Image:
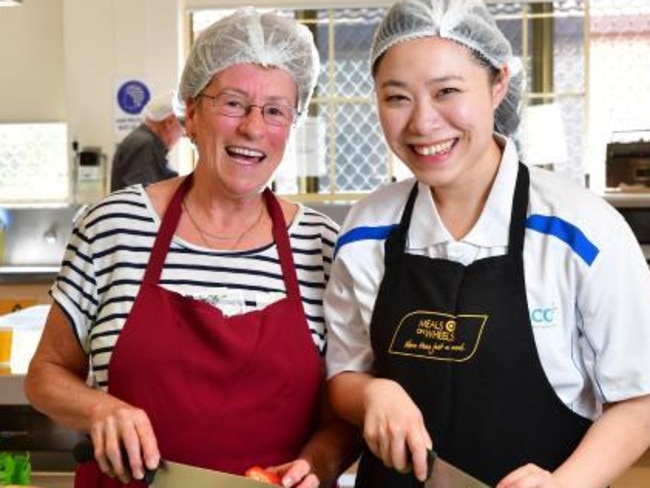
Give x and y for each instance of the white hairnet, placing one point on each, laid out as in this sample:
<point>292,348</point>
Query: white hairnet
<point>246,36</point>
<point>160,107</point>
<point>469,23</point>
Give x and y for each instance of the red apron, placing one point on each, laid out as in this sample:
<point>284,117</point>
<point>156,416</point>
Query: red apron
<point>222,392</point>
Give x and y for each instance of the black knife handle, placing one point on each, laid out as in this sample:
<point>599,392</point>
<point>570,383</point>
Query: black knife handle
<point>431,457</point>
<point>84,451</point>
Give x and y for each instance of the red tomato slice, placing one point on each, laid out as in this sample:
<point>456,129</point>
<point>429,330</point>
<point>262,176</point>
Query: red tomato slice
<point>261,474</point>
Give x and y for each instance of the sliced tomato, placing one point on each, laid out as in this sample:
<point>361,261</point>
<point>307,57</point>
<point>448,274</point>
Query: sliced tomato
<point>260,474</point>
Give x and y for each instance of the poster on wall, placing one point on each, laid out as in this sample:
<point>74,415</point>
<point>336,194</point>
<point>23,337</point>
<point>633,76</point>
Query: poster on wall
<point>131,96</point>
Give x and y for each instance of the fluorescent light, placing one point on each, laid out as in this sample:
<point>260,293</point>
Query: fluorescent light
<point>10,3</point>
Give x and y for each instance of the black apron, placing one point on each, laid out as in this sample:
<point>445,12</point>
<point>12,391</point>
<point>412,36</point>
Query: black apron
<point>459,340</point>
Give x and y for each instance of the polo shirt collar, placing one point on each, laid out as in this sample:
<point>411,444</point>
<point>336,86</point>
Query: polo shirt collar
<point>492,227</point>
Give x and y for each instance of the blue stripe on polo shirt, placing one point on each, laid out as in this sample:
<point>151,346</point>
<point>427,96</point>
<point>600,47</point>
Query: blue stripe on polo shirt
<point>567,233</point>
<point>363,234</point>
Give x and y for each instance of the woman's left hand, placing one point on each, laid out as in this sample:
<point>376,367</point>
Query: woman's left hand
<point>296,474</point>
<point>528,476</point>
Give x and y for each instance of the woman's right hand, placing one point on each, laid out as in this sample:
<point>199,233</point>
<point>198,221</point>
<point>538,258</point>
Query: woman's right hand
<point>394,428</point>
<point>116,426</point>
<point>56,385</point>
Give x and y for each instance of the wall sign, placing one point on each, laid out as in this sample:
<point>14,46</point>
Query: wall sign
<point>131,96</point>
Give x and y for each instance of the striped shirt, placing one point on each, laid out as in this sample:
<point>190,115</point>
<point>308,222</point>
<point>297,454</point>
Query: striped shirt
<point>107,255</point>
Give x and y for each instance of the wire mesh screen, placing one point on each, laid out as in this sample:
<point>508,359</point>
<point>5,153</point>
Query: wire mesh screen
<point>356,157</point>
<point>592,46</point>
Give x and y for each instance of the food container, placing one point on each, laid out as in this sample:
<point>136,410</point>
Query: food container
<point>19,335</point>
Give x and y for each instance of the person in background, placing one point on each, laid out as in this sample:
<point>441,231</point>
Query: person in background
<point>141,157</point>
<point>197,301</point>
<point>496,313</point>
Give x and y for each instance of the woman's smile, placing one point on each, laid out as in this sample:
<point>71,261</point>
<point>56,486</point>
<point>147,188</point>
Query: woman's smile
<point>245,155</point>
<point>435,149</point>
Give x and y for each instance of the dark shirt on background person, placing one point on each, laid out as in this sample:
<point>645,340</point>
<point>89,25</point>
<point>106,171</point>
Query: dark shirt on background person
<point>141,157</point>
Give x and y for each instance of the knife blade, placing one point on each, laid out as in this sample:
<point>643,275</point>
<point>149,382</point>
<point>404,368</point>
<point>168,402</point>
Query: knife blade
<point>170,474</point>
<point>446,475</point>
<point>177,475</point>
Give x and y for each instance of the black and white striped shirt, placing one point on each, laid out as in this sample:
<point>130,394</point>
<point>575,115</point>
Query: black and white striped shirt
<point>108,251</point>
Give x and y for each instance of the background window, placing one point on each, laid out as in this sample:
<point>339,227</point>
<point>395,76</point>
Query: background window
<point>586,58</point>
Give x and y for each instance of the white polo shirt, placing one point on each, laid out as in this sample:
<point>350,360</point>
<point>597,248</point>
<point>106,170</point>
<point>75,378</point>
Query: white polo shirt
<point>587,281</point>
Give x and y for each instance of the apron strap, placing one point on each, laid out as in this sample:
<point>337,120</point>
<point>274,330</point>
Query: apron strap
<point>166,232</point>
<point>519,211</point>
<point>281,238</point>
<point>396,241</point>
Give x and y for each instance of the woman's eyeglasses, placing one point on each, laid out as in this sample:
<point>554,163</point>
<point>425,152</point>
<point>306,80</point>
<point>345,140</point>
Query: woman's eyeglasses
<point>229,105</point>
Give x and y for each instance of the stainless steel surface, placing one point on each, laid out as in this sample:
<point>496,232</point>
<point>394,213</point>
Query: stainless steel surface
<point>175,475</point>
<point>35,239</point>
<point>446,475</point>
<point>620,199</point>
<point>24,275</point>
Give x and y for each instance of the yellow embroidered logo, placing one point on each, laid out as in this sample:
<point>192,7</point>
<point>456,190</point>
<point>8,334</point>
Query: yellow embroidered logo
<point>440,336</point>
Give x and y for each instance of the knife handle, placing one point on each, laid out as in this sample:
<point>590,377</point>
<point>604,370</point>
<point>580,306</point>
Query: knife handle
<point>84,451</point>
<point>431,458</point>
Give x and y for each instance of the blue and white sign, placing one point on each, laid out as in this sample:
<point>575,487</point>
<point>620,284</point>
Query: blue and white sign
<point>131,96</point>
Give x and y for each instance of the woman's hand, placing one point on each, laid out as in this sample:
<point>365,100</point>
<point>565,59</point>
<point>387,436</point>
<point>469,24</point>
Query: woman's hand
<point>56,385</point>
<point>394,427</point>
<point>296,474</point>
<point>529,476</point>
<point>124,440</point>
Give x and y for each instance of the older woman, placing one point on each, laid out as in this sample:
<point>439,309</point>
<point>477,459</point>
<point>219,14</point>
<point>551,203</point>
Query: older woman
<point>198,300</point>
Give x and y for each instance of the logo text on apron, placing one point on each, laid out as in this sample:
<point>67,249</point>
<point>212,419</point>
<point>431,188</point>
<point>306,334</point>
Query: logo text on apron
<point>439,336</point>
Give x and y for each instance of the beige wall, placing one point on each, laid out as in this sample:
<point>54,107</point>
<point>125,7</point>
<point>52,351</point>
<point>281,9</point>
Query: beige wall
<point>32,86</point>
<point>61,60</point>
<point>110,40</point>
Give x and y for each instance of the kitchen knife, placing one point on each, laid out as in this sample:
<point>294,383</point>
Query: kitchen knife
<point>177,475</point>
<point>446,475</point>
